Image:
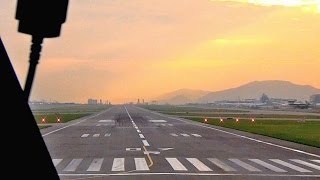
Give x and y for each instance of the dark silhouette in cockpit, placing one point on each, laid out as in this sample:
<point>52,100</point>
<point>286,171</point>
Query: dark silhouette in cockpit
<point>27,156</point>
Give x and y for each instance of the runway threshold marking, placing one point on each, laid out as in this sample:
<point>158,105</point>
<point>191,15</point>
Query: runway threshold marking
<point>187,174</point>
<point>291,166</point>
<point>238,135</point>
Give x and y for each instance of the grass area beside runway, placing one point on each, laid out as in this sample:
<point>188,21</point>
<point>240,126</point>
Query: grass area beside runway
<point>53,118</point>
<point>303,132</point>
<point>50,113</point>
<point>296,128</point>
<point>43,126</point>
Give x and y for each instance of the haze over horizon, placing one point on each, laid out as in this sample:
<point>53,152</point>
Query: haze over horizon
<point>123,50</point>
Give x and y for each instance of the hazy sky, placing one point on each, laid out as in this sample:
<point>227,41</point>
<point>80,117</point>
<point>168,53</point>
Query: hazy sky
<point>122,50</point>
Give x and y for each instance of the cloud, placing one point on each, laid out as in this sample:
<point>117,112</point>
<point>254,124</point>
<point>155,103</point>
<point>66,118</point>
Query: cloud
<point>307,5</point>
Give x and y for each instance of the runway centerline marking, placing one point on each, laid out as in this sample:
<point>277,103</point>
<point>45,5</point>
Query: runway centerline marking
<point>141,136</point>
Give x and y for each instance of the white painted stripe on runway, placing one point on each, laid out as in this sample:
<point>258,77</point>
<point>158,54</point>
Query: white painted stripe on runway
<point>245,165</point>
<point>267,165</point>
<point>196,135</point>
<point>95,164</point>
<point>198,164</point>
<point>141,136</point>
<point>56,161</point>
<point>291,166</point>
<point>234,134</point>
<point>141,164</point>
<point>170,124</point>
<point>306,163</point>
<point>75,123</point>
<point>98,125</point>
<point>72,166</point>
<point>187,174</point>
<point>136,127</point>
<point>221,164</point>
<point>107,121</point>
<point>173,134</point>
<point>138,131</point>
<point>163,124</point>
<point>96,135</point>
<point>107,135</point>
<point>85,135</point>
<point>157,121</point>
<point>185,135</point>
<point>145,143</point>
<point>315,160</point>
<point>176,164</point>
<point>118,164</point>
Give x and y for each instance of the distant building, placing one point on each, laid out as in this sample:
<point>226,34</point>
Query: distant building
<point>92,101</point>
<point>315,99</point>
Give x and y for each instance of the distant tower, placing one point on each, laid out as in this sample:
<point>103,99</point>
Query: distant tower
<point>142,101</point>
<point>138,101</point>
<point>100,101</point>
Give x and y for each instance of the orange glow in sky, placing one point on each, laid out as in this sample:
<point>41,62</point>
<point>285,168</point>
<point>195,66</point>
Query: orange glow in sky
<point>123,50</point>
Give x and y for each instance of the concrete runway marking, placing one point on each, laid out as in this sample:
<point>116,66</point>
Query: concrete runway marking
<point>221,164</point>
<point>72,166</point>
<point>118,164</point>
<point>141,136</point>
<point>306,163</point>
<point>173,134</point>
<point>141,164</point>
<point>107,135</point>
<point>165,149</point>
<point>133,149</point>
<point>56,161</point>
<point>170,124</point>
<point>196,135</point>
<point>291,166</point>
<point>185,135</point>
<point>198,164</point>
<point>157,121</point>
<point>75,123</point>
<point>245,165</point>
<point>96,135</point>
<point>145,143</point>
<point>95,165</point>
<point>106,121</point>
<point>318,161</point>
<point>138,131</point>
<point>238,135</point>
<point>85,135</point>
<point>188,174</point>
<point>176,164</point>
<point>268,166</point>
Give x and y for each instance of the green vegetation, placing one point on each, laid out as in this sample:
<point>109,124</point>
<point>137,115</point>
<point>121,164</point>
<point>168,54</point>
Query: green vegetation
<point>188,109</point>
<point>43,126</point>
<point>50,113</point>
<point>67,108</point>
<point>53,118</point>
<point>287,127</point>
<point>306,132</point>
<point>242,115</point>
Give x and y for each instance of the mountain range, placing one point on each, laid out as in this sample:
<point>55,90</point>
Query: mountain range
<point>252,90</point>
